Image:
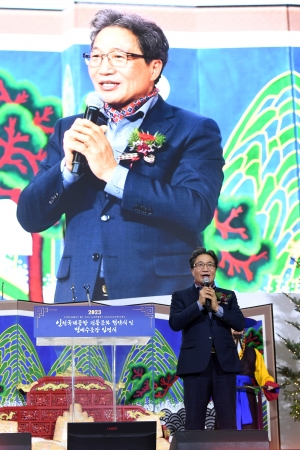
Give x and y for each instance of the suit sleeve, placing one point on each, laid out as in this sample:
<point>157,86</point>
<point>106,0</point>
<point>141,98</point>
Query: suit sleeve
<point>188,195</point>
<point>43,201</point>
<point>181,316</point>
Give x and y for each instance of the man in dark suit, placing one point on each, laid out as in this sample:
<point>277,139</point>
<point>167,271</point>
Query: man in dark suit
<point>208,360</point>
<point>134,215</point>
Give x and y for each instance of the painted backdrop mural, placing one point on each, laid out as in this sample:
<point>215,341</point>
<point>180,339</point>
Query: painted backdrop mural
<point>256,224</point>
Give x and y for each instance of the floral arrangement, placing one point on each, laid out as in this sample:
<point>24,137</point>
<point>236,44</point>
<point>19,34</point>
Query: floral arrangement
<point>143,144</point>
<point>223,298</point>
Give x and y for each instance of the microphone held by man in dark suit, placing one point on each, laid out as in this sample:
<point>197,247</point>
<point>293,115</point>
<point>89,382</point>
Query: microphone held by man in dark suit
<point>208,360</point>
<point>207,300</point>
<point>93,103</point>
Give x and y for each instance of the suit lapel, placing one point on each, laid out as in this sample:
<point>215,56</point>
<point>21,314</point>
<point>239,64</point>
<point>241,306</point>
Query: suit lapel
<point>160,118</point>
<point>193,293</point>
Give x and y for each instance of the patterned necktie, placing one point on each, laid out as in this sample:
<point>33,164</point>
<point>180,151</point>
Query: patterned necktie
<point>117,115</point>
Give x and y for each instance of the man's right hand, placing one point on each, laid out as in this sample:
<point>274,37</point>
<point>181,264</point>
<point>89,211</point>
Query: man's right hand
<point>89,139</point>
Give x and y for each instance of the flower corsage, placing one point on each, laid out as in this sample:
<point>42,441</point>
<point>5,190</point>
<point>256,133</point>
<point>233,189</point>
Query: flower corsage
<point>223,298</point>
<point>143,144</point>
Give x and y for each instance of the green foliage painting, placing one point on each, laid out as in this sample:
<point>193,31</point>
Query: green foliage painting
<point>20,363</point>
<point>257,219</point>
<point>26,121</point>
<point>149,374</point>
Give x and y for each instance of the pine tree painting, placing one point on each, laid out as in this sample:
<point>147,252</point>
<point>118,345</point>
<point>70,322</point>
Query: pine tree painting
<point>26,122</point>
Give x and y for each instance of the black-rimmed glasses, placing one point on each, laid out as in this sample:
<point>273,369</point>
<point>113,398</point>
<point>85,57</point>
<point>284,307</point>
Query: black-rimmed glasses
<point>201,265</point>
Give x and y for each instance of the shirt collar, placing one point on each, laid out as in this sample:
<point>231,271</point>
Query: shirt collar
<point>199,286</point>
<point>140,113</point>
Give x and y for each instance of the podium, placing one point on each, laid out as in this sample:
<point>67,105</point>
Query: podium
<point>106,326</point>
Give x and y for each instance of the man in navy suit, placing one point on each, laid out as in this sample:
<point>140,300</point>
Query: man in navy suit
<point>208,360</point>
<point>134,215</point>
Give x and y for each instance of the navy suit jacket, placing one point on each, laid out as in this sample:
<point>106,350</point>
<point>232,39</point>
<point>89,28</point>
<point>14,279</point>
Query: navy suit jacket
<point>200,332</point>
<point>145,238</point>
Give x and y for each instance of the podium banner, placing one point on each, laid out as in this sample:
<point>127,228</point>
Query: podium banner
<point>94,321</point>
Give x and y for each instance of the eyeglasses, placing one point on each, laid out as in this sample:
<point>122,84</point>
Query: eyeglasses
<point>115,59</point>
<point>201,265</point>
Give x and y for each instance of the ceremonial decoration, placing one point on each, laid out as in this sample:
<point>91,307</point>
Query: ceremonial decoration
<point>223,298</point>
<point>143,144</point>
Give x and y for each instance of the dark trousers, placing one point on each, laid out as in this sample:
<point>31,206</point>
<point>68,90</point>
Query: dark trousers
<point>200,387</point>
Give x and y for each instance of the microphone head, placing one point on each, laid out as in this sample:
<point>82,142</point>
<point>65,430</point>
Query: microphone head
<point>94,99</point>
<point>206,281</point>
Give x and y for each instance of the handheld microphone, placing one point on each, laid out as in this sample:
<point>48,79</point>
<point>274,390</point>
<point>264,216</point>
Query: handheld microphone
<point>93,103</point>
<point>207,300</point>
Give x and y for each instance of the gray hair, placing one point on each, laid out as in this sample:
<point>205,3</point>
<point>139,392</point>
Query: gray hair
<point>151,39</point>
<point>202,251</point>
